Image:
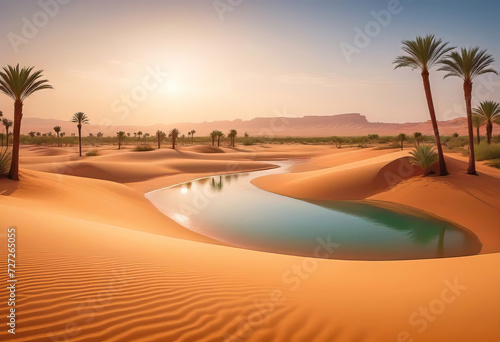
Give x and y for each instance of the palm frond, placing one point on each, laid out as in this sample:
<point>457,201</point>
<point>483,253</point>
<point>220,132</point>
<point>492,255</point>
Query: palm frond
<point>424,156</point>
<point>467,64</point>
<point>20,83</point>
<point>422,53</point>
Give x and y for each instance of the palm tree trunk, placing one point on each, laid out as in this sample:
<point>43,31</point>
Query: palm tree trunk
<point>18,115</point>
<point>80,138</point>
<point>158,142</point>
<point>478,136</point>
<point>430,103</point>
<point>173,142</point>
<point>218,141</point>
<point>119,143</point>
<point>489,132</point>
<point>468,103</point>
<point>402,142</point>
<point>7,134</point>
<point>58,143</point>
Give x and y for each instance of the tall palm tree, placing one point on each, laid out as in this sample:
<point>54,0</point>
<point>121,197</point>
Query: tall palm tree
<point>80,118</point>
<point>219,136</point>
<point>159,136</point>
<point>213,135</point>
<point>477,121</point>
<point>19,84</point>
<point>8,124</point>
<point>423,53</point>
<point>57,129</point>
<point>402,138</point>
<point>490,112</point>
<point>174,134</point>
<point>418,137</point>
<point>467,65</point>
<point>192,135</point>
<point>121,136</point>
<point>232,135</point>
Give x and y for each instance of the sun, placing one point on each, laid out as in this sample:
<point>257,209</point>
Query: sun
<point>172,86</point>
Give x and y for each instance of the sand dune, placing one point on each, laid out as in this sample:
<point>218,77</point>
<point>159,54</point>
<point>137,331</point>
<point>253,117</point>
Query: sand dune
<point>349,181</point>
<point>97,262</point>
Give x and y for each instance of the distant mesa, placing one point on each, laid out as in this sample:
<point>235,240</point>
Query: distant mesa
<point>350,124</point>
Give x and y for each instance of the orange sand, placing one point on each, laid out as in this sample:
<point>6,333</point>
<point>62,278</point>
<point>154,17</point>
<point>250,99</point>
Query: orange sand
<point>97,262</point>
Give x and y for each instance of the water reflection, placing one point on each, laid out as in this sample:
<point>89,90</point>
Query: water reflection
<point>230,209</point>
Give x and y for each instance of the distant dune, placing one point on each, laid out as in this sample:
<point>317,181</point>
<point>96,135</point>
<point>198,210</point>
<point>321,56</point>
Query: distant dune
<point>307,126</point>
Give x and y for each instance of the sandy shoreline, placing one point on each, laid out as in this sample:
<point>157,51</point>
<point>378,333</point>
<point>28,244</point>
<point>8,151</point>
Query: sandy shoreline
<point>84,277</point>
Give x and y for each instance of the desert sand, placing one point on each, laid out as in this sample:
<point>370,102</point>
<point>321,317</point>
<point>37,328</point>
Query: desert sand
<point>98,262</point>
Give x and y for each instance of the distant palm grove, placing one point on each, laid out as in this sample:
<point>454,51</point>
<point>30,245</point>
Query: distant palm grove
<point>424,54</point>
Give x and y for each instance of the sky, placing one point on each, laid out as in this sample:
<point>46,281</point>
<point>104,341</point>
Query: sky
<point>160,61</point>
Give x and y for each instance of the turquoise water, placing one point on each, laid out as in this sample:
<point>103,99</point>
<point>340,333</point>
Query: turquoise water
<point>232,210</point>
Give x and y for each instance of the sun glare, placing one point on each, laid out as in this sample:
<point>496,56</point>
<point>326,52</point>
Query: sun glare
<point>171,86</point>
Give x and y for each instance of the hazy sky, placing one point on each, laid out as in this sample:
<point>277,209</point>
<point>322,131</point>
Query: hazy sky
<point>152,61</point>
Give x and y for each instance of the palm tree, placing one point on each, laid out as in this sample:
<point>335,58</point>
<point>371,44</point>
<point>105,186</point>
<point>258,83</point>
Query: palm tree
<point>219,135</point>
<point>139,135</point>
<point>19,84</point>
<point>8,124</point>
<point>402,138</point>
<point>477,121</point>
<point>80,118</point>
<point>213,135</point>
<point>192,135</point>
<point>57,129</point>
<point>467,64</point>
<point>2,136</point>
<point>423,53</point>
<point>418,137</point>
<point>174,134</point>
<point>425,157</point>
<point>232,135</point>
<point>121,136</point>
<point>32,134</point>
<point>159,136</point>
<point>490,112</point>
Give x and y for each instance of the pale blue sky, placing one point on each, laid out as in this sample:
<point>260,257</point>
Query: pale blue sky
<point>266,56</point>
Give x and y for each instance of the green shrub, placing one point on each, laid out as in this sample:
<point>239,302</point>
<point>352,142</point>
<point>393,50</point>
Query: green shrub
<point>92,153</point>
<point>143,148</point>
<point>494,163</point>
<point>457,142</point>
<point>424,156</point>
<point>5,160</point>
<point>487,152</point>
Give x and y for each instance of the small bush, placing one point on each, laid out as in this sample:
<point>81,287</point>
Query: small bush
<point>143,148</point>
<point>424,156</point>
<point>487,152</point>
<point>494,163</point>
<point>92,153</point>
<point>457,142</point>
<point>5,160</point>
